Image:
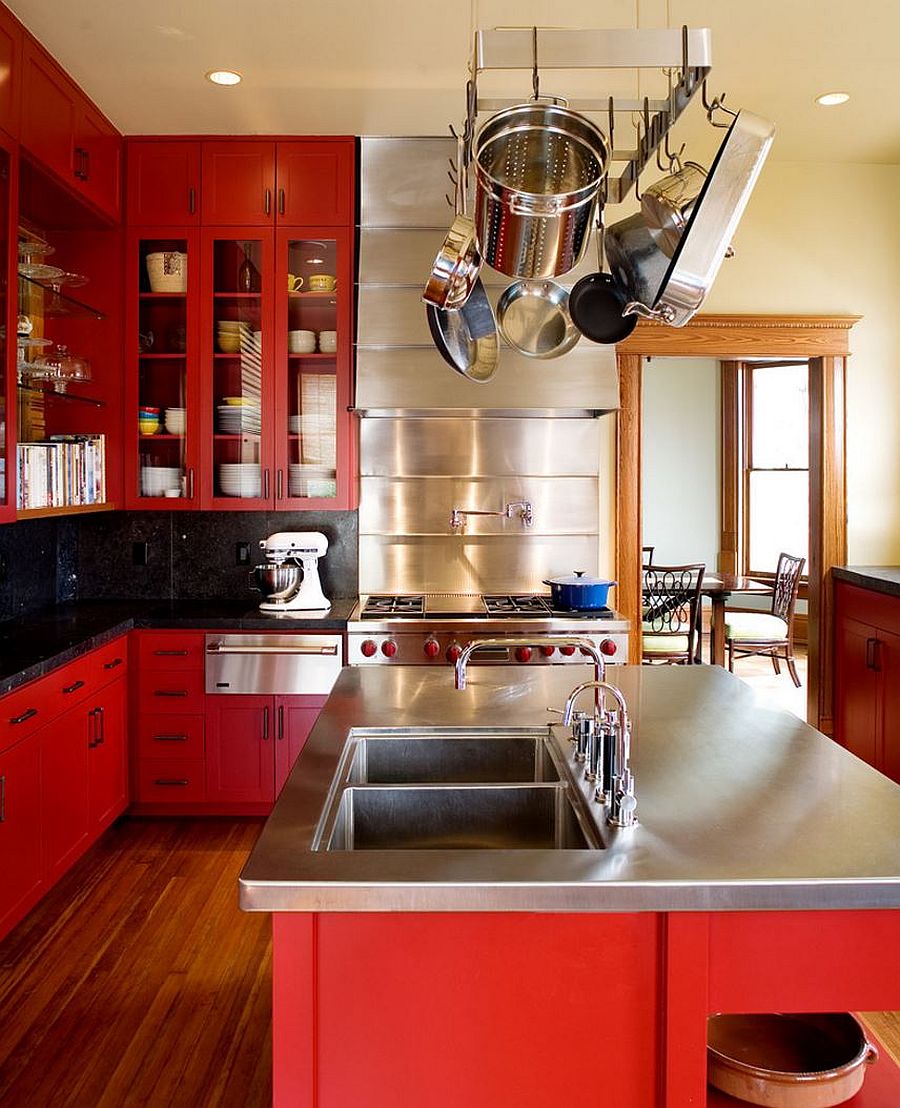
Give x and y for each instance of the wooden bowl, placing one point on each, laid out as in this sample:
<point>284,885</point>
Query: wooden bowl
<point>804,1060</point>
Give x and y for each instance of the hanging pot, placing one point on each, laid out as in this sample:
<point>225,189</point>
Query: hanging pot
<point>597,303</point>
<point>578,592</point>
<point>533,316</point>
<point>467,338</point>
<point>667,204</point>
<point>458,263</point>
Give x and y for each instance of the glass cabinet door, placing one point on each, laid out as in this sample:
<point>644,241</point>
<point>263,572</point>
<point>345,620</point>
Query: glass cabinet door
<point>308,401</point>
<point>166,399</point>
<point>238,392</point>
<point>7,380</point>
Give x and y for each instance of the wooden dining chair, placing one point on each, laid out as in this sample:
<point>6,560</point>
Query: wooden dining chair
<point>769,633</point>
<point>670,617</point>
<point>647,555</point>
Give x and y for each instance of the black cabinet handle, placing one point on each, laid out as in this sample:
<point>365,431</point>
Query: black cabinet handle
<point>279,484</point>
<point>86,165</point>
<point>170,692</point>
<point>92,729</point>
<point>192,200</point>
<point>30,713</point>
<point>265,723</point>
<point>280,721</point>
<point>170,738</point>
<point>268,204</point>
<point>112,665</point>
<point>266,483</point>
<point>281,201</point>
<point>101,727</point>
<point>171,782</point>
<point>74,687</point>
<point>80,169</point>
<point>170,653</point>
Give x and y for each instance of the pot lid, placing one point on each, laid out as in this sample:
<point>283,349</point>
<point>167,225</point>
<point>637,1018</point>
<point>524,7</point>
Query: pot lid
<point>579,577</point>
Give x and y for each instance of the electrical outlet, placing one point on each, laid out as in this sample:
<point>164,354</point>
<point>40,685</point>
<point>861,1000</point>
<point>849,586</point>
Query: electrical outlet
<point>140,553</point>
<point>242,553</point>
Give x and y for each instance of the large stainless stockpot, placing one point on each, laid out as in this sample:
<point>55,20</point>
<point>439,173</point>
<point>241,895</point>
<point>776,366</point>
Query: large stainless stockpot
<point>538,171</point>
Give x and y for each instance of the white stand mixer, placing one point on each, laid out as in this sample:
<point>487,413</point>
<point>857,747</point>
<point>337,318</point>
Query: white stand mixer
<point>293,548</point>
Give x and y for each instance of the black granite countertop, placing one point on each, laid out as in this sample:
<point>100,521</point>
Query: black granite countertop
<point>33,645</point>
<point>885,579</point>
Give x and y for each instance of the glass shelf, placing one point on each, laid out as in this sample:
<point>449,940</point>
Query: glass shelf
<point>63,395</point>
<point>61,304</point>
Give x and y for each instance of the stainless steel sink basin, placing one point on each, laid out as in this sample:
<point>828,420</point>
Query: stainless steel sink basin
<point>461,817</point>
<point>465,758</point>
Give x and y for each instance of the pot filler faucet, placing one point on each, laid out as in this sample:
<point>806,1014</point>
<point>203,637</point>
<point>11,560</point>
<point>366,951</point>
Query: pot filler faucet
<point>521,507</point>
<point>602,738</point>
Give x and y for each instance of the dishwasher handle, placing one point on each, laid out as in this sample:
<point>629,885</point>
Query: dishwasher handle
<point>221,648</point>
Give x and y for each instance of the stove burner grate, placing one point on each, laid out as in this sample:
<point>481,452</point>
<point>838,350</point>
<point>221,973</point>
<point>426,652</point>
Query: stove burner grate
<point>378,606</point>
<point>516,605</point>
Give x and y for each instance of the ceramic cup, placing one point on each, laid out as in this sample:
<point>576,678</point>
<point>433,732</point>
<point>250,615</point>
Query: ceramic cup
<point>322,282</point>
<point>295,283</point>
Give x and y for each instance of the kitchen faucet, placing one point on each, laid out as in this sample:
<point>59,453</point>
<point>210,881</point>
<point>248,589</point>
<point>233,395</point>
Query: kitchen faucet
<point>534,641</point>
<point>523,507</point>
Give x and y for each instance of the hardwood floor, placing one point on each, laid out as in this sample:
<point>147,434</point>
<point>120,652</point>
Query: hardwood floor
<point>138,981</point>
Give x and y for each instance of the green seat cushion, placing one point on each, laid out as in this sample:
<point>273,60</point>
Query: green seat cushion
<point>665,644</point>
<point>754,627</point>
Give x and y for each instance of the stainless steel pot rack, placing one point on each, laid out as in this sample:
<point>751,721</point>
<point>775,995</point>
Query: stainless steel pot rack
<point>686,51</point>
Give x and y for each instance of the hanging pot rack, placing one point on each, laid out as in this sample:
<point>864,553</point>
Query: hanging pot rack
<point>685,52</point>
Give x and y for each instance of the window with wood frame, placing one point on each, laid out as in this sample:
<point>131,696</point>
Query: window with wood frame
<point>774,487</point>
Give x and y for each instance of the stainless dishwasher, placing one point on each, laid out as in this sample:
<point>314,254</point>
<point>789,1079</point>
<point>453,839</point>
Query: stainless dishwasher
<point>277,664</point>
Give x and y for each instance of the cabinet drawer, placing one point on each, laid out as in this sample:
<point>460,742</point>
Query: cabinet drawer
<point>26,709</point>
<point>175,738</point>
<point>170,781</point>
<point>170,650</point>
<point>109,662</point>
<point>172,692</point>
<point>867,606</point>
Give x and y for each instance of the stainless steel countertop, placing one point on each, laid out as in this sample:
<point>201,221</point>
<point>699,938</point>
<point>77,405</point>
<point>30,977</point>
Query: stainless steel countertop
<point>740,807</point>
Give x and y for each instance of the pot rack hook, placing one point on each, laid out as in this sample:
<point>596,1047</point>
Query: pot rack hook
<point>637,123</point>
<point>673,157</point>
<point>535,79</point>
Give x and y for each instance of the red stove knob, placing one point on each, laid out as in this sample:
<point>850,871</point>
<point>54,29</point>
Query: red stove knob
<point>548,651</point>
<point>453,652</point>
<point>368,648</point>
<point>389,648</point>
<point>432,648</point>
<point>567,650</point>
<point>608,647</point>
<point>523,653</point>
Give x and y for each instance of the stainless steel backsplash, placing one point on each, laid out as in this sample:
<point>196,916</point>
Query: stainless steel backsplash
<point>431,441</point>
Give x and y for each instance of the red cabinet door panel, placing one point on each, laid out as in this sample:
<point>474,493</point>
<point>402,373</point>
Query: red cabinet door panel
<point>64,789</point>
<point>10,73</point>
<point>20,829</point>
<point>316,182</point>
<point>98,159</point>
<point>240,737</point>
<point>163,183</point>
<point>172,692</point>
<point>856,690</point>
<point>888,661</point>
<point>238,183</point>
<point>295,717</point>
<point>48,112</point>
<point>107,757</point>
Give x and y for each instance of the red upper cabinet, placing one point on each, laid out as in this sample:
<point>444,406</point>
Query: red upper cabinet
<point>238,183</point>
<point>163,184</point>
<point>98,159</point>
<point>48,112</point>
<point>10,73</point>
<point>315,181</point>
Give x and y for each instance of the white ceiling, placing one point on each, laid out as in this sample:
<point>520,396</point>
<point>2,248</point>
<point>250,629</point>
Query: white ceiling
<point>399,66</point>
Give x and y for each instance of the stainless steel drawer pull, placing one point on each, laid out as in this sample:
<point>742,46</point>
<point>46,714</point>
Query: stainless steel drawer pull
<point>112,665</point>
<point>74,687</point>
<point>170,653</point>
<point>217,648</point>
<point>29,714</point>
<point>171,782</point>
<point>170,738</point>
<point>170,692</point>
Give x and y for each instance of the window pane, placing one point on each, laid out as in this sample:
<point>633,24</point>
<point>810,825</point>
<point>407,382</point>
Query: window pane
<point>780,416</point>
<point>779,518</point>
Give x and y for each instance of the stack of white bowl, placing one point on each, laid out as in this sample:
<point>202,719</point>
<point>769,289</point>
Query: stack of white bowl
<point>328,342</point>
<point>239,479</point>
<point>311,480</point>
<point>237,419</point>
<point>158,480</point>
<point>301,342</point>
<point>174,419</point>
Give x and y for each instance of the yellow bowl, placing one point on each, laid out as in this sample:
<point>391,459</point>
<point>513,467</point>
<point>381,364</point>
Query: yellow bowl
<point>234,401</point>
<point>148,427</point>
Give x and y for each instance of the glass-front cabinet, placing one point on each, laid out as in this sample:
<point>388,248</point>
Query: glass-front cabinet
<point>162,404</point>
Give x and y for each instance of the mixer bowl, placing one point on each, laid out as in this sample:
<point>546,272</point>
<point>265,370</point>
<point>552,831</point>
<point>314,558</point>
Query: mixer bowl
<point>277,582</point>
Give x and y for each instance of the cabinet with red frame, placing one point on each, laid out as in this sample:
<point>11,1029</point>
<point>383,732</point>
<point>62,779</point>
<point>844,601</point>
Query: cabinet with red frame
<point>162,183</point>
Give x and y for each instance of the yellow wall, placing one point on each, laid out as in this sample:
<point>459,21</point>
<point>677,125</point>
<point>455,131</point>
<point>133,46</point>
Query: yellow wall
<point>825,239</point>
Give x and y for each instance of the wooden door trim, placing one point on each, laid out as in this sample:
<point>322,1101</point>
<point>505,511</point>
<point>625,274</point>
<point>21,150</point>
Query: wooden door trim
<point>824,340</point>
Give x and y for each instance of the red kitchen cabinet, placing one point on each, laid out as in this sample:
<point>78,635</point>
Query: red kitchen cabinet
<point>315,182</point>
<point>239,753</point>
<point>163,184</point>
<point>65,816</point>
<point>295,717</point>
<point>11,37</point>
<point>48,112</point>
<point>98,159</point>
<point>108,756</point>
<point>20,830</point>
<point>238,183</point>
<point>867,676</point>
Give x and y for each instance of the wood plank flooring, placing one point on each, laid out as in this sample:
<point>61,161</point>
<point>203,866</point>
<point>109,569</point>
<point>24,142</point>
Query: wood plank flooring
<point>138,981</point>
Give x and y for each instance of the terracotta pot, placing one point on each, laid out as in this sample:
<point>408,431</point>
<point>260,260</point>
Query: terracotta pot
<point>807,1060</point>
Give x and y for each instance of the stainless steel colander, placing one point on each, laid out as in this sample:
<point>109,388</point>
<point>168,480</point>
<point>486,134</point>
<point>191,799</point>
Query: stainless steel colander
<point>538,170</point>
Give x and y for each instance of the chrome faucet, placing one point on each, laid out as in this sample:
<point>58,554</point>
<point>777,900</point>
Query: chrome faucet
<point>523,507</point>
<point>534,641</point>
<point>616,788</point>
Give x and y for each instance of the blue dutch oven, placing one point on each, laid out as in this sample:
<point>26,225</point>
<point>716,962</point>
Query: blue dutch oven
<point>578,592</point>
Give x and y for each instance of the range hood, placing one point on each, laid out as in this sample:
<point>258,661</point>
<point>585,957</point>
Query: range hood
<point>403,219</point>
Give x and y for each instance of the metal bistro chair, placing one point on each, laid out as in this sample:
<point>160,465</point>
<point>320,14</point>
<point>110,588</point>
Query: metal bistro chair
<point>647,555</point>
<point>670,619</point>
<point>748,633</point>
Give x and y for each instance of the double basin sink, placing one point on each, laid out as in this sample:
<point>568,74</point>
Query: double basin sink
<point>466,789</point>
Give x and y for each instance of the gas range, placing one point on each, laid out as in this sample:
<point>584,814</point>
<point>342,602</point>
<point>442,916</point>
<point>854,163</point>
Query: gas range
<point>432,629</point>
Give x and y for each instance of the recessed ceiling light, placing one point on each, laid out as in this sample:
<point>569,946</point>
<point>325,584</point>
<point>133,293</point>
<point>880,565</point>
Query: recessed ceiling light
<point>224,77</point>
<point>830,99</point>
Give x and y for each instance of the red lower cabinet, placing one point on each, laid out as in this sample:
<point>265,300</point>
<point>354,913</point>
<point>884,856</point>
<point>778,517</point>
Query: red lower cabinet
<point>20,836</point>
<point>65,816</point>
<point>108,757</point>
<point>240,745</point>
<point>295,717</point>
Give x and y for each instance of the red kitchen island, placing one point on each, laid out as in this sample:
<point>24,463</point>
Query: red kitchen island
<point>764,875</point>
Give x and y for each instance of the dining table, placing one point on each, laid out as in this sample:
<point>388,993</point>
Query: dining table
<point>719,587</point>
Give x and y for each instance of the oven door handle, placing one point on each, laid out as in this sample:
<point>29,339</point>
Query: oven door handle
<point>220,648</point>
